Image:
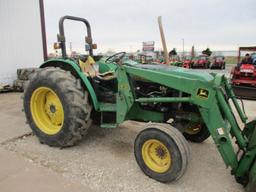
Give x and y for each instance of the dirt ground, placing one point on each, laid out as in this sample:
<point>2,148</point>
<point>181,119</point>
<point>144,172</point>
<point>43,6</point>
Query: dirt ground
<point>104,160</point>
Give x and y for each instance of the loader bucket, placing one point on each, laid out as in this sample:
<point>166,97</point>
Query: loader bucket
<point>245,92</point>
<point>251,186</point>
<point>250,132</point>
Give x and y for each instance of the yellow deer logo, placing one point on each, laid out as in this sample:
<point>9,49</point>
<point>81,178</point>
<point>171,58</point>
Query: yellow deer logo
<point>203,93</point>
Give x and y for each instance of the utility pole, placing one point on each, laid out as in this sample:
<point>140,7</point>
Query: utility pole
<point>193,52</point>
<point>70,47</point>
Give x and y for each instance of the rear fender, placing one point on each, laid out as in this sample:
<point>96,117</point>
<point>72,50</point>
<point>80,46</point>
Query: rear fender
<point>75,70</point>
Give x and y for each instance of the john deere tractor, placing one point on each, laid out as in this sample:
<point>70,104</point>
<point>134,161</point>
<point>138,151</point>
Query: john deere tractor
<point>65,96</point>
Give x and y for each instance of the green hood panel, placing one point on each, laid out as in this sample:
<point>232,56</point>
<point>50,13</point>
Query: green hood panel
<point>179,71</point>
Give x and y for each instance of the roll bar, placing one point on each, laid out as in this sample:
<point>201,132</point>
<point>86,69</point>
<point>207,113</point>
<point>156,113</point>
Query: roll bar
<point>252,48</point>
<point>61,35</point>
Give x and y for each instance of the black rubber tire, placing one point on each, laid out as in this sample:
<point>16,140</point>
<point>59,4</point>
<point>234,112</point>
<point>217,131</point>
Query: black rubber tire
<point>25,73</point>
<point>75,104</point>
<point>199,137</point>
<point>224,66</point>
<point>175,143</point>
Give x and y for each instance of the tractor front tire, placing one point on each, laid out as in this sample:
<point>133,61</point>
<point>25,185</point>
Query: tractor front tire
<point>57,107</point>
<point>162,152</point>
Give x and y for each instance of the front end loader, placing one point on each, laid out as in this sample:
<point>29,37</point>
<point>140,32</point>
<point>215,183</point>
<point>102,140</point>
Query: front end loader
<point>62,100</point>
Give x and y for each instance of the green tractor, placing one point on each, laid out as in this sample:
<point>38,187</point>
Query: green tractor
<point>64,97</point>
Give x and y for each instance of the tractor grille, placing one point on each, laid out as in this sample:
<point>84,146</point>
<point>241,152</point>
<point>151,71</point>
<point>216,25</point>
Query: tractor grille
<point>246,74</point>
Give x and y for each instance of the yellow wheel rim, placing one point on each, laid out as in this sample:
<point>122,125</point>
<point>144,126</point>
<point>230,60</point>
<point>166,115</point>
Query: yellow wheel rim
<point>156,156</point>
<point>194,129</point>
<point>47,110</point>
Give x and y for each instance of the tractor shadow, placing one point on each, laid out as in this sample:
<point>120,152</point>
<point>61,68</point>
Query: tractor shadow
<point>118,141</point>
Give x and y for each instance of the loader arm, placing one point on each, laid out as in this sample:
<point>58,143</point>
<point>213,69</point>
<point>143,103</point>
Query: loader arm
<point>212,94</point>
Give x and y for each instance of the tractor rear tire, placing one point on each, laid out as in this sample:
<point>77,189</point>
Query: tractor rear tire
<point>197,132</point>
<point>199,136</point>
<point>57,107</point>
<point>162,152</point>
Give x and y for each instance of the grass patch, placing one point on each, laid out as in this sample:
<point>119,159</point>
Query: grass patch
<point>231,60</point>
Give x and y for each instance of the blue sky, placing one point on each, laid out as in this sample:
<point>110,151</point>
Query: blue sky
<point>122,25</point>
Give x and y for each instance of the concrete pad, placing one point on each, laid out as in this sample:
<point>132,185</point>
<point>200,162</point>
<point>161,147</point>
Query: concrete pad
<point>19,175</point>
<point>12,119</point>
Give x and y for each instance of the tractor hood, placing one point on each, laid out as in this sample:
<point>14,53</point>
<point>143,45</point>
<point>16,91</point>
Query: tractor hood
<point>187,61</point>
<point>201,61</point>
<point>179,71</point>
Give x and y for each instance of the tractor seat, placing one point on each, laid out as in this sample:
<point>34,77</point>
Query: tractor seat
<point>89,67</point>
<point>104,84</point>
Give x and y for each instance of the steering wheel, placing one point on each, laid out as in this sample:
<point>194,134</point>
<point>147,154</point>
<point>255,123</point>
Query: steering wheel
<point>116,57</point>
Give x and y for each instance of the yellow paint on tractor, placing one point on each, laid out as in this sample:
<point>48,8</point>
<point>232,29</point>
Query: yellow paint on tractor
<point>194,129</point>
<point>47,110</point>
<point>156,156</point>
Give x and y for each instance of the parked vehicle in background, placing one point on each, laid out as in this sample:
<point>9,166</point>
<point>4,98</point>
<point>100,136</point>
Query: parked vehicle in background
<point>187,61</point>
<point>175,61</point>
<point>218,62</point>
<point>145,59</point>
<point>243,76</point>
<point>202,61</point>
<point>253,57</point>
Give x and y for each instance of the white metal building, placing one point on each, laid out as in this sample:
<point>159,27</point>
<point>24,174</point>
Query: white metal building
<point>21,42</point>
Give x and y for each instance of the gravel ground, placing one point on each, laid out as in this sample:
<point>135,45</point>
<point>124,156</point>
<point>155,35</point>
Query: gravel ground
<point>104,161</point>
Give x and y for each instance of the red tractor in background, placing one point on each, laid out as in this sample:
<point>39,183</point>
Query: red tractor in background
<point>218,62</point>
<point>187,61</point>
<point>243,76</point>
<point>202,61</point>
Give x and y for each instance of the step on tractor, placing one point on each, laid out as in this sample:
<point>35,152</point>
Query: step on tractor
<point>66,96</point>
<point>202,61</point>
<point>243,75</point>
